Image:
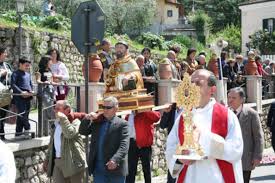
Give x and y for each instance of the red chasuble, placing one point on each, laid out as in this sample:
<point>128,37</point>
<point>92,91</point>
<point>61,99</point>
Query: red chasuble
<point>219,127</point>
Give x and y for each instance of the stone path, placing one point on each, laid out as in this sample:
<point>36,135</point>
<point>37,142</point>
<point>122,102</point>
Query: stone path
<point>10,128</point>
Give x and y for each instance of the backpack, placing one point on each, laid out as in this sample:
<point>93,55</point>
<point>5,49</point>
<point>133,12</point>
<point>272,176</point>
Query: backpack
<point>5,92</point>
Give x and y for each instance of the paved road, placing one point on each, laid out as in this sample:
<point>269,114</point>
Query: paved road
<point>265,173</point>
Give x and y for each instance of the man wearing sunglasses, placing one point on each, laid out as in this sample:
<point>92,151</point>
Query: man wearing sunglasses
<point>109,143</point>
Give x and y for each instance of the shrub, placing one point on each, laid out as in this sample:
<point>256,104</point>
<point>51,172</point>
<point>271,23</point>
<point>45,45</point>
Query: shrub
<point>10,16</point>
<point>263,41</point>
<point>57,22</point>
<point>26,19</point>
<point>151,40</point>
<point>184,40</point>
<point>231,34</point>
<point>202,23</point>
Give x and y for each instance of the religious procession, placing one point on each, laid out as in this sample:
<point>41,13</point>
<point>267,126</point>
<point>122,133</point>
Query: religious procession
<point>88,108</point>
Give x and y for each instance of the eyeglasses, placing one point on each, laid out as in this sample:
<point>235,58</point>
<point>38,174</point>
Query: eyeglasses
<point>107,107</point>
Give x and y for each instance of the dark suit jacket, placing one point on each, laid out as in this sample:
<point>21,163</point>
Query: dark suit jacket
<point>116,144</point>
<point>271,118</point>
<point>253,137</point>
<point>168,118</point>
<point>236,68</point>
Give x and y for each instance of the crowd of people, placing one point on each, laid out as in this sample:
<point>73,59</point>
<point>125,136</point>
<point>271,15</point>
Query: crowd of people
<point>52,72</point>
<point>234,148</point>
<point>231,137</point>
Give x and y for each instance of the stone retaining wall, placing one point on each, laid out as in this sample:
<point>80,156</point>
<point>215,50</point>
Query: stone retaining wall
<point>35,44</point>
<point>29,165</point>
<point>263,117</point>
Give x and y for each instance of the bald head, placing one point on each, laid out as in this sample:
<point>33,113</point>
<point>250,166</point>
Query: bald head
<point>171,55</point>
<point>140,61</point>
<point>204,74</point>
<point>202,59</point>
<point>63,103</point>
<point>206,80</point>
<point>62,106</point>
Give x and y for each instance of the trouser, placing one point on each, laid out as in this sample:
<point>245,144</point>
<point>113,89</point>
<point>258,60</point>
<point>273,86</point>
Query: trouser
<point>145,155</point>
<point>273,140</point>
<point>101,175</point>
<point>23,106</point>
<point>105,178</point>
<point>170,179</point>
<point>2,122</point>
<point>58,176</point>
<point>246,176</point>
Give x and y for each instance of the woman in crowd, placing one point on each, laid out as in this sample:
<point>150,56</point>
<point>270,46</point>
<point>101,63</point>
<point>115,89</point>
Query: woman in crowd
<point>190,59</point>
<point>46,90</point>
<point>230,74</point>
<point>60,74</point>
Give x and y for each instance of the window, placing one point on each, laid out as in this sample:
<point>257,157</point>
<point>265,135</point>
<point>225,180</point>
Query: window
<point>169,13</point>
<point>269,24</point>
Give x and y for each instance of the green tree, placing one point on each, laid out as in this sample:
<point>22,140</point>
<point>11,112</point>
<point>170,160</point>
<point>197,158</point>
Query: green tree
<point>222,12</point>
<point>67,7</point>
<point>128,16</point>
<point>202,23</point>
<point>231,34</point>
<point>263,41</point>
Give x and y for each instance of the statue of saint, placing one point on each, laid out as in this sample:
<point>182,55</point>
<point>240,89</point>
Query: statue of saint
<point>124,73</point>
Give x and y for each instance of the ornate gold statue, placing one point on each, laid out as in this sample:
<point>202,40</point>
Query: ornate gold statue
<point>187,96</point>
<point>124,81</point>
<point>124,73</point>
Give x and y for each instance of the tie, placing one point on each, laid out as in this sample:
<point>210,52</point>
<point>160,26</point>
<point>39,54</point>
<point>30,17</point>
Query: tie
<point>238,115</point>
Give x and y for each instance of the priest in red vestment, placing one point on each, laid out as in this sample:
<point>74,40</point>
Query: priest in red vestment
<point>219,135</point>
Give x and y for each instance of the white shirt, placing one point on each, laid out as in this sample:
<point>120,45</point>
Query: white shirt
<point>214,146</point>
<point>7,164</point>
<point>59,68</point>
<point>239,110</point>
<point>131,124</point>
<point>57,139</point>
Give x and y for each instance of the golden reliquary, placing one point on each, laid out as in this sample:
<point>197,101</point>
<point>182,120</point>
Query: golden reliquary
<point>188,97</point>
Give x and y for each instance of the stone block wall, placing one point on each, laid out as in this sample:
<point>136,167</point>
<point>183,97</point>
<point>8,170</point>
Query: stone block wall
<point>29,166</point>
<point>263,117</point>
<point>35,44</point>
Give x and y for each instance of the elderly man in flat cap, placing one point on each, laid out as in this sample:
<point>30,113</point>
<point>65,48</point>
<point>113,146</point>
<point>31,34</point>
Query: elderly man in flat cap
<point>124,73</point>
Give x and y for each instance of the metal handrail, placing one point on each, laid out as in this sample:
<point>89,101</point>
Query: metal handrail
<point>20,115</point>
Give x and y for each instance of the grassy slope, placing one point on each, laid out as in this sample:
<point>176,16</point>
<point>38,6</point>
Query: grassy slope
<point>9,24</point>
<point>133,44</point>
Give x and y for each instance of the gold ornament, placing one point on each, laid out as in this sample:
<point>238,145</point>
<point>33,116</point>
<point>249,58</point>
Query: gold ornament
<point>188,97</point>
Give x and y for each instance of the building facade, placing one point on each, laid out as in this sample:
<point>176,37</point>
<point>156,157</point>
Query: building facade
<point>256,15</point>
<point>170,19</point>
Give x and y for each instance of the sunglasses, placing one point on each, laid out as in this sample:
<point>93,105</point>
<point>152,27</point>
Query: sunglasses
<point>107,107</point>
